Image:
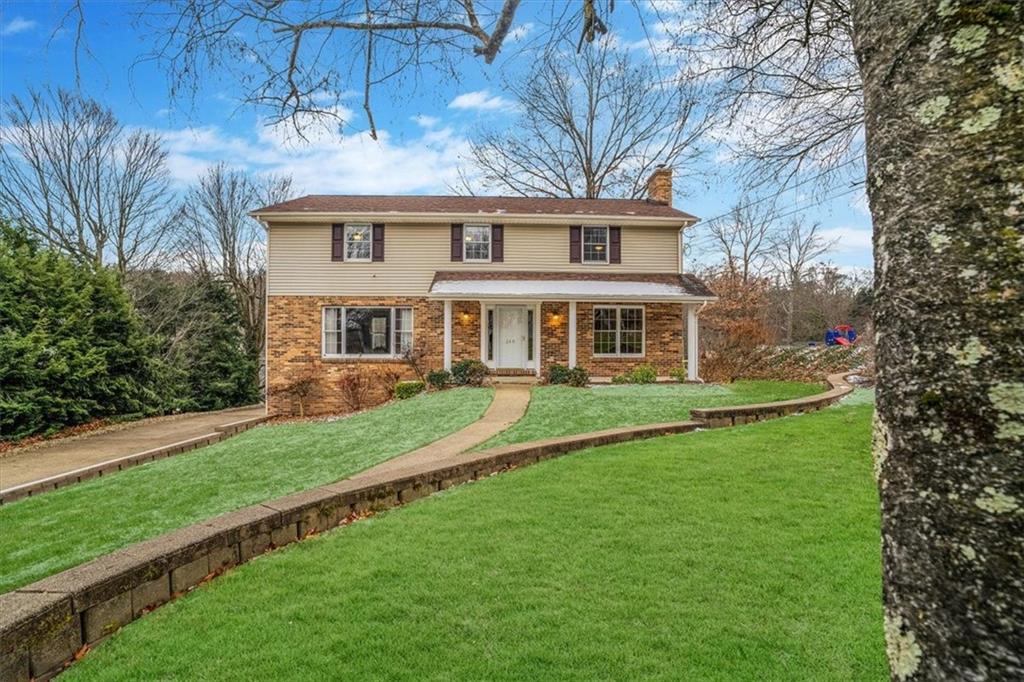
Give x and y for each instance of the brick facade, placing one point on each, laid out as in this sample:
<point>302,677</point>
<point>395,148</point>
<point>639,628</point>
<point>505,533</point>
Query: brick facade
<point>294,343</point>
<point>294,346</point>
<point>663,344</point>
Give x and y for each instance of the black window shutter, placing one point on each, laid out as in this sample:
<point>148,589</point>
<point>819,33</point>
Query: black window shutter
<point>575,244</point>
<point>337,242</point>
<point>456,242</point>
<point>378,242</point>
<point>497,243</point>
<point>614,244</point>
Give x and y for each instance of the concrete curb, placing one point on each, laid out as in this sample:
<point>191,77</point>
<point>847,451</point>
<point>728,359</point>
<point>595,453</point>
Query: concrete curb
<point>111,466</point>
<point>44,624</point>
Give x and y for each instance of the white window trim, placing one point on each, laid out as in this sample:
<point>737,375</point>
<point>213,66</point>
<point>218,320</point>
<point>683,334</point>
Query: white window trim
<point>343,331</point>
<point>490,243</point>
<point>607,245</point>
<point>345,242</point>
<point>618,331</point>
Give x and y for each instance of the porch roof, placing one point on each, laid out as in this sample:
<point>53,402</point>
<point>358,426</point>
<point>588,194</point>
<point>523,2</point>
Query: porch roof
<point>569,286</point>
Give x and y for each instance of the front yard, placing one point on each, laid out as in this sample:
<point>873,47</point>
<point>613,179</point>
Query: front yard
<point>749,553</point>
<point>563,411</point>
<point>60,529</point>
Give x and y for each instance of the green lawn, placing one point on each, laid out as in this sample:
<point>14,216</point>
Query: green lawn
<point>749,553</point>
<point>562,411</point>
<point>47,534</point>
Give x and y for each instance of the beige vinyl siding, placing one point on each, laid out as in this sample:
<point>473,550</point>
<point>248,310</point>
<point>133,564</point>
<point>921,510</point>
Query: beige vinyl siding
<point>300,258</point>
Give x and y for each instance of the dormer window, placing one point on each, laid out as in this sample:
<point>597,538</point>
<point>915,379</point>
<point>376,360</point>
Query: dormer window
<point>595,244</point>
<point>476,244</point>
<point>358,242</point>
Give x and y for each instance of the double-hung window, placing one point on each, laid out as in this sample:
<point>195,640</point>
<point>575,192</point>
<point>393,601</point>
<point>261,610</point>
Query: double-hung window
<point>595,244</point>
<point>381,332</point>
<point>618,330</point>
<point>358,242</point>
<point>476,243</point>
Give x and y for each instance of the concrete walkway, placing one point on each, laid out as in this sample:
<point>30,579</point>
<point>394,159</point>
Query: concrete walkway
<point>508,407</point>
<point>51,458</point>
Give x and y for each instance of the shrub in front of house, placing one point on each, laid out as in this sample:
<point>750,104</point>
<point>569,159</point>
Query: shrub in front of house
<point>558,374</point>
<point>678,373</point>
<point>643,374</point>
<point>407,389</point>
<point>575,376</point>
<point>439,379</point>
<point>356,388</point>
<point>469,373</point>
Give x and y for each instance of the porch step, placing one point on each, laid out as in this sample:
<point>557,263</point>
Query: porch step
<point>512,372</point>
<point>528,379</point>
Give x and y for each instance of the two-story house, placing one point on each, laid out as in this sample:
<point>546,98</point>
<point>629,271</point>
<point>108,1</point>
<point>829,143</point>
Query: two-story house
<point>519,283</point>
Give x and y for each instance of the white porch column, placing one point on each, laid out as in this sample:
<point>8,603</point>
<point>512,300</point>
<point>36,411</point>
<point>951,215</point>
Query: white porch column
<point>483,332</point>
<point>537,322</point>
<point>572,333</point>
<point>691,343</point>
<point>448,335</point>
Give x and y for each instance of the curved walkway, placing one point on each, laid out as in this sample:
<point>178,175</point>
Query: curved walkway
<point>507,407</point>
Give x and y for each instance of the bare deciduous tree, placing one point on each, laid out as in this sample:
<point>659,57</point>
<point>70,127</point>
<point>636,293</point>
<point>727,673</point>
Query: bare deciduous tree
<point>218,239</point>
<point>81,181</point>
<point>591,124</point>
<point>786,77</point>
<point>793,251</point>
<point>743,238</point>
<point>295,59</point>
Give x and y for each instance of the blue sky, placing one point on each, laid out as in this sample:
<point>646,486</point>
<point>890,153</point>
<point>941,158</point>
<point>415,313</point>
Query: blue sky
<point>423,131</point>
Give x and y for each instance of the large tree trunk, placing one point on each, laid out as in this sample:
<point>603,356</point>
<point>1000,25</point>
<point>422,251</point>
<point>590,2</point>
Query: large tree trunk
<point>944,95</point>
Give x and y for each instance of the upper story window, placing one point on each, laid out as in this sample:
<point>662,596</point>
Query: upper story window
<point>358,242</point>
<point>595,244</point>
<point>476,243</point>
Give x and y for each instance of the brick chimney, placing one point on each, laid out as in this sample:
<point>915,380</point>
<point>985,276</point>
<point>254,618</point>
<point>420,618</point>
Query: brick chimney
<point>659,186</point>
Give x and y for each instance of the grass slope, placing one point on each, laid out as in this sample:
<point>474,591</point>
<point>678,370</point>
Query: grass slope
<point>562,411</point>
<point>739,554</point>
<point>47,534</point>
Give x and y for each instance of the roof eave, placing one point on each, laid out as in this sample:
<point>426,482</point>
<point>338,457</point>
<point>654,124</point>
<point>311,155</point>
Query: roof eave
<point>637,298</point>
<point>683,220</point>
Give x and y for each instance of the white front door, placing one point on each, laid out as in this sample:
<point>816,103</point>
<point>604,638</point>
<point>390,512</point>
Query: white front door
<point>511,337</point>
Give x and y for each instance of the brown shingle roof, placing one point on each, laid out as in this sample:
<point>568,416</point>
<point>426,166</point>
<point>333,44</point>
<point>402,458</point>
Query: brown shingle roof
<point>691,284</point>
<point>355,203</point>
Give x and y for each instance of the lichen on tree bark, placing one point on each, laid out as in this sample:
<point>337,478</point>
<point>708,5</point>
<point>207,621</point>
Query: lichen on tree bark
<point>944,101</point>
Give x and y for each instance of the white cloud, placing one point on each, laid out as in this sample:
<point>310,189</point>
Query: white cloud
<point>848,239</point>
<point>350,164</point>
<point>425,121</point>
<point>17,25</point>
<point>519,33</point>
<point>481,100</point>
